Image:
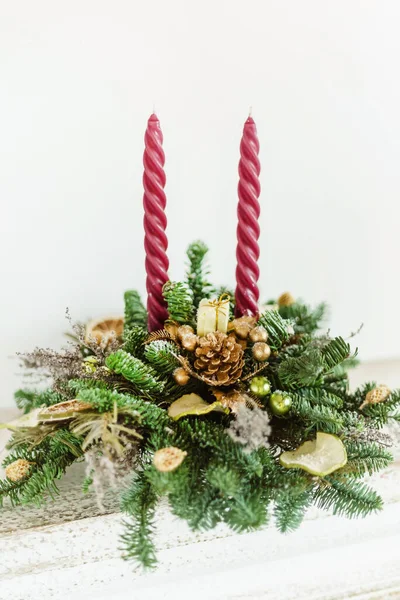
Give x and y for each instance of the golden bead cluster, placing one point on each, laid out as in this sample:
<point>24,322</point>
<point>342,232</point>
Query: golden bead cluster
<point>247,330</point>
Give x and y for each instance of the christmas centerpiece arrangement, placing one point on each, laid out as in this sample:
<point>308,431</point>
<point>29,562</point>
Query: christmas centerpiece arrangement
<point>233,410</point>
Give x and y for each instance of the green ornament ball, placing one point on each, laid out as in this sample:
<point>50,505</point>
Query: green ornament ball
<point>260,386</point>
<point>280,403</point>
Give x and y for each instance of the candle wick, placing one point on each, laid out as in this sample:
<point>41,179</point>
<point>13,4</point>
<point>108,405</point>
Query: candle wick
<point>250,111</point>
<point>154,108</point>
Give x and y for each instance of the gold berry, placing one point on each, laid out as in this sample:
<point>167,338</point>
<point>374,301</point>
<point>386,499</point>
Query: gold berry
<point>258,334</point>
<point>18,469</point>
<point>189,342</point>
<point>168,459</point>
<point>184,330</point>
<point>261,351</point>
<point>242,326</point>
<point>181,376</point>
<point>286,299</point>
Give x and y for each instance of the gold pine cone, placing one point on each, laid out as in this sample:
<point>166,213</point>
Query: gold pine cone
<point>219,358</point>
<point>18,469</point>
<point>168,459</point>
<point>378,394</point>
<point>286,299</point>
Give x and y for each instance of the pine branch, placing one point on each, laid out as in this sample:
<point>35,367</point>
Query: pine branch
<point>226,480</point>
<point>197,273</point>
<point>148,415</point>
<point>162,355</point>
<point>302,371</point>
<point>247,512</point>
<point>49,460</point>
<point>321,397</point>
<point>335,352</point>
<point>28,400</point>
<point>277,328</point>
<point>320,417</point>
<point>143,376</point>
<point>134,339</point>
<point>365,457</point>
<point>290,507</point>
<point>349,498</point>
<point>139,502</point>
<point>78,385</point>
<point>305,319</point>
<point>135,312</point>
<point>180,302</point>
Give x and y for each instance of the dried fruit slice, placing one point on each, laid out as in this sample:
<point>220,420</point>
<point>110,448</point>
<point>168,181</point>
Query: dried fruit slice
<point>192,404</point>
<point>104,330</point>
<point>63,410</point>
<point>319,457</point>
<point>168,459</point>
<point>27,421</point>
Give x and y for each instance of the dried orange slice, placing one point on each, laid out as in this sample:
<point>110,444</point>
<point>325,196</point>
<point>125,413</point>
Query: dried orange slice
<point>104,330</point>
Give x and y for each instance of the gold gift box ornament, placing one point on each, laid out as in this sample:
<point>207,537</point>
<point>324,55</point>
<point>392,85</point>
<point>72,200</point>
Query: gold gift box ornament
<point>213,315</point>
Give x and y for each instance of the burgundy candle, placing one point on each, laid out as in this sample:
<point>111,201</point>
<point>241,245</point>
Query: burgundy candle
<point>248,230</point>
<point>155,223</point>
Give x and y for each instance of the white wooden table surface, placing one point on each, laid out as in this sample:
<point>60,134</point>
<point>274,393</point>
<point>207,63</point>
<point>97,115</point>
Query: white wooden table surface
<point>67,550</point>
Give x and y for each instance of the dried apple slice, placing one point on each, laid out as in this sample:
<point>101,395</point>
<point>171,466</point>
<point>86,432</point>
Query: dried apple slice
<point>319,457</point>
<point>192,404</point>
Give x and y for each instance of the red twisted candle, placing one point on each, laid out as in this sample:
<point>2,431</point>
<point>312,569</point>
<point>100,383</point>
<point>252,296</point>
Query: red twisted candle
<point>155,222</point>
<point>248,230</point>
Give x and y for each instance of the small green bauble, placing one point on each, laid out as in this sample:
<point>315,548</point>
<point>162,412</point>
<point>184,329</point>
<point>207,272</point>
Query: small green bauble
<point>280,403</point>
<point>260,386</point>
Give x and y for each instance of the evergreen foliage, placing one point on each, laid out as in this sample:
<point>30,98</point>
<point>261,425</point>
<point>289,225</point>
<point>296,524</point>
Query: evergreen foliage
<point>27,400</point>
<point>277,328</point>
<point>135,312</point>
<point>162,355</point>
<point>129,387</point>
<point>180,302</point>
<point>197,273</point>
<point>49,461</point>
<point>143,376</point>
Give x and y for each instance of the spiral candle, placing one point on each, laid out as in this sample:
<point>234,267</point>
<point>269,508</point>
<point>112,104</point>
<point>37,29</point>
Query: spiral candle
<point>248,230</point>
<point>155,222</point>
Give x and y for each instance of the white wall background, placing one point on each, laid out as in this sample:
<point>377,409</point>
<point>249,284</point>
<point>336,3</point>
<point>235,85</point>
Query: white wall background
<point>78,81</point>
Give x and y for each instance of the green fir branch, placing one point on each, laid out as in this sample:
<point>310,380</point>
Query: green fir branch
<point>50,460</point>
<point>319,417</point>
<point>196,276</point>
<point>139,502</point>
<point>365,458</point>
<point>304,318</point>
<point>143,376</point>
<point>135,312</point>
<point>179,300</point>
<point>290,507</point>
<point>335,352</point>
<point>349,498</point>
<point>277,328</point>
<point>27,400</point>
<point>134,339</point>
<point>302,371</point>
<point>163,356</point>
